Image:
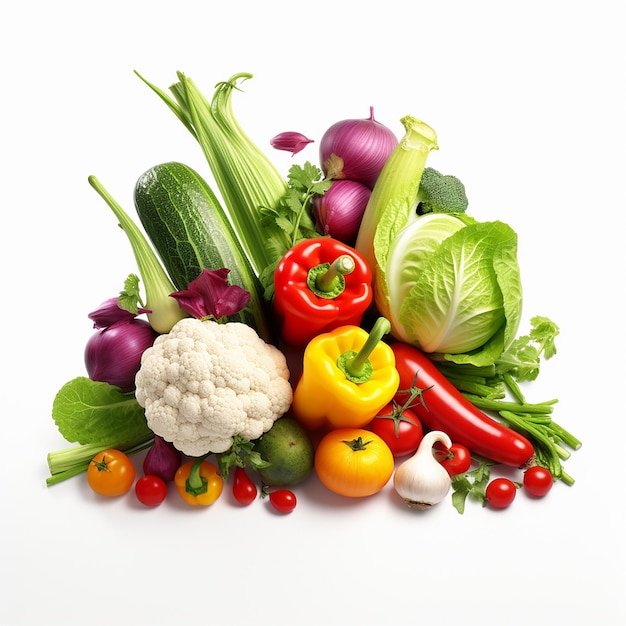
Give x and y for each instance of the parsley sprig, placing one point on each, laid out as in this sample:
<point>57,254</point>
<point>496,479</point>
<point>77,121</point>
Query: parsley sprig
<point>292,219</point>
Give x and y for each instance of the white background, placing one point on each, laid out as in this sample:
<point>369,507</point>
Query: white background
<point>527,100</point>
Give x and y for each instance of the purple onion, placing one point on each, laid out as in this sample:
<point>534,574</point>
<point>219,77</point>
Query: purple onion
<point>339,211</point>
<point>356,150</point>
<point>113,354</point>
<point>162,460</point>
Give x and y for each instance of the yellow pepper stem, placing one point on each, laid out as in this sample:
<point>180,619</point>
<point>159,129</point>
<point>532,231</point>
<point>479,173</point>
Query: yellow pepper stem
<point>356,366</point>
<point>196,484</point>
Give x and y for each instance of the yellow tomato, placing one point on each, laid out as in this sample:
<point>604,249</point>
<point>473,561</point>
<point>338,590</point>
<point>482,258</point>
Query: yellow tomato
<point>111,473</point>
<point>353,462</point>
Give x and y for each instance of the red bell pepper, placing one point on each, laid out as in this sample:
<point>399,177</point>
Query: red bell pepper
<point>320,284</point>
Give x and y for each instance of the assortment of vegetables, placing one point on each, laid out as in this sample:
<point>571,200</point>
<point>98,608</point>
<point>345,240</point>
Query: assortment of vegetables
<point>350,320</point>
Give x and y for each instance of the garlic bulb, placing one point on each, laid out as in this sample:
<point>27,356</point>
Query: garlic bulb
<point>422,481</point>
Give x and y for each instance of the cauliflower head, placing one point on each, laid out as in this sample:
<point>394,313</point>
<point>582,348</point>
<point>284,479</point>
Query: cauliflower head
<point>205,382</point>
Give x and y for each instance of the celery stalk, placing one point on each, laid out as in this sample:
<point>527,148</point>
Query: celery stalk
<point>247,180</point>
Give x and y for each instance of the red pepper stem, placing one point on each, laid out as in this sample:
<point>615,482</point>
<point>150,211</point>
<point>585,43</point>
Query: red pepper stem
<point>327,279</point>
<point>357,365</point>
<point>196,484</point>
<point>341,266</point>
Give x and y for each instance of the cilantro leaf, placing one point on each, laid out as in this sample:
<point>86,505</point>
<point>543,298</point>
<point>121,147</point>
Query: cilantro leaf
<point>130,297</point>
<point>522,358</point>
<point>473,484</point>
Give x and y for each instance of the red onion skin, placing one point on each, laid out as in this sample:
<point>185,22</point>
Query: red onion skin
<point>113,354</point>
<point>110,312</point>
<point>290,142</point>
<point>339,211</point>
<point>356,149</point>
<point>162,460</point>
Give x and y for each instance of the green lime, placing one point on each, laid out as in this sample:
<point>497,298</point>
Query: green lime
<point>288,448</point>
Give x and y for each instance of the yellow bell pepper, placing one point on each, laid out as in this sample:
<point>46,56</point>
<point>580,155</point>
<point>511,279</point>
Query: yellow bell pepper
<point>199,482</point>
<point>347,376</point>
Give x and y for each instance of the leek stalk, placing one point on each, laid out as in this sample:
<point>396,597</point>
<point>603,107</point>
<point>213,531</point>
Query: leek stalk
<point>393,200</point>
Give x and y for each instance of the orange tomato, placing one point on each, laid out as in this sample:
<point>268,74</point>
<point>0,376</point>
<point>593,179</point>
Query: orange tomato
<point>353,462</point>
<point>111,473</point>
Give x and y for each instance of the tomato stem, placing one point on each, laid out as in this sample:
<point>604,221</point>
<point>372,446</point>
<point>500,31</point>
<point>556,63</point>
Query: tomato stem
<point>357,444</point>
<point>102,466</point>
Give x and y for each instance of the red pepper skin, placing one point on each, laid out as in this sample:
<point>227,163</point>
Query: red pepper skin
<point>300,313</point>
<point>443,407</point>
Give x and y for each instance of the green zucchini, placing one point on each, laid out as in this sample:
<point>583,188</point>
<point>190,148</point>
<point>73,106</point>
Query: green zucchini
<point>190,232</point>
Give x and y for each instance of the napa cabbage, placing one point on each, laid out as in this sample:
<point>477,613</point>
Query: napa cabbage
<point>453,287</point>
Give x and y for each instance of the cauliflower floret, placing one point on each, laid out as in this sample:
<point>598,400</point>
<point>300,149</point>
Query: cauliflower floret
<point>204,382</point>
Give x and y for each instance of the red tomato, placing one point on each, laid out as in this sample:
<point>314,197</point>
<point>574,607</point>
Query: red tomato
<point>150,490</point>
<point>244,490</point>
<point>538,481</point>
<point>283,500</point>
<point>399,428</point>
<point>500,492</point>
<point>456,459</point>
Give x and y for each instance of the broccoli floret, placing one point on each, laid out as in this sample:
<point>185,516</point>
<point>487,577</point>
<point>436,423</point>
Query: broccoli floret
<point>440,193</point>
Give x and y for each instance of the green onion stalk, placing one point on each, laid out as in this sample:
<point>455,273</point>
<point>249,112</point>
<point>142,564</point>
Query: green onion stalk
<point>247,180</point>
<point>164,310</point>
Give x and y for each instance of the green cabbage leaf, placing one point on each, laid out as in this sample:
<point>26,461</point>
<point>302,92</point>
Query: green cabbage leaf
<point>453,287</point>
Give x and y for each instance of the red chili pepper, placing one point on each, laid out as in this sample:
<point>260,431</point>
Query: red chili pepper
<point>320,284</point>
<point>443,407</point>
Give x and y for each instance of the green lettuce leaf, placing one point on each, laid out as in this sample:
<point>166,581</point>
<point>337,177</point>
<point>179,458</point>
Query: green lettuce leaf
<point>89,412</point>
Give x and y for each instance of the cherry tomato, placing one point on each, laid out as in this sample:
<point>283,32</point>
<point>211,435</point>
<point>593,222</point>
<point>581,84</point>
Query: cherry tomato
<point>111,473</point>
<point>244,490</point>
<point>283,500</point>
<point>399,428</point>
<point>150,490</point>
<point>500,492</point>
<point>353,462</point>
<point>538,481</point>
<point>456,459</point>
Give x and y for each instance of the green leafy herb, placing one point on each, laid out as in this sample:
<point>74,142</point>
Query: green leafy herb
<point>130,297</point>
<point>291,220</point>
<point>240,454</point>
<point>522,358</point>
<point>473,484</point>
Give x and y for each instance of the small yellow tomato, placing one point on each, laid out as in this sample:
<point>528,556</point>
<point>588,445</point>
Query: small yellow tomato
<point>353,462</point>
<point>111,473</point>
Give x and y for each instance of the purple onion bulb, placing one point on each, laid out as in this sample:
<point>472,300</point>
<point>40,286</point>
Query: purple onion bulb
<point>339,211</point>
<point>113,354</point>
<point>162,460</point>
<point>356,150</point>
